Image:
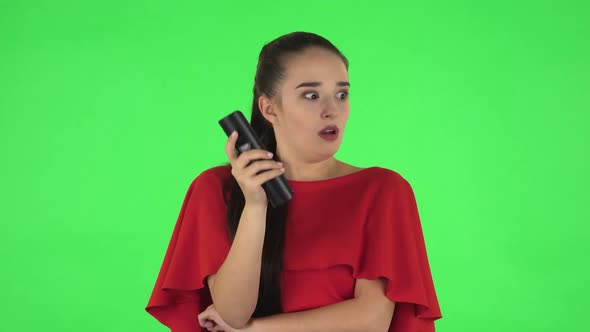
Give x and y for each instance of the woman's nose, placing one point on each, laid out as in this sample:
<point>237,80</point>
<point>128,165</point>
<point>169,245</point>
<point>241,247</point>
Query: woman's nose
<point>330,110</point>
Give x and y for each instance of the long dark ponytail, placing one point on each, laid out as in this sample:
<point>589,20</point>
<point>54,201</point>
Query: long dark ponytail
<point>269,73</point>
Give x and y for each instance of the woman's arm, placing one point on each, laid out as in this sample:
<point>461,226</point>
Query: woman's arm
<point>234,288</point>
<point>370,310</point>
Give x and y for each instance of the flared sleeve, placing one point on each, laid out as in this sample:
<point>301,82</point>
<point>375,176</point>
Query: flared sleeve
<point>394,248</point>
<point>198,246</point>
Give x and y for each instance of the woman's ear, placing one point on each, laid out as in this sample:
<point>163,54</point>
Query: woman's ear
<point>268,109</point>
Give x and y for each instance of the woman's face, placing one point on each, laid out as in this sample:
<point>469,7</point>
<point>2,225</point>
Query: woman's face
<point>312,95</point>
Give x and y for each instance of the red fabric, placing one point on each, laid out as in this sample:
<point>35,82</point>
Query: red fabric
<point>361,225</point>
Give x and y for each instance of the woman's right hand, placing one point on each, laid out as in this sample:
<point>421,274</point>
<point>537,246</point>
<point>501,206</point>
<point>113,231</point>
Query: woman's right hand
<point>246,168</point>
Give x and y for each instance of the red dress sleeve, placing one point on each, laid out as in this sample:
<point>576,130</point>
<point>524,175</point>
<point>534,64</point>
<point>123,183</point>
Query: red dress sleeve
<point>394,248</point>
<point>198,246</point>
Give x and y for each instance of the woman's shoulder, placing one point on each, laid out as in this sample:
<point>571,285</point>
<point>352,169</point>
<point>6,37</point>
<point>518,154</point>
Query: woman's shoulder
<point>211,183</point>
<point>379,175</point>
<point>214,176</point>
<point>220,172</point>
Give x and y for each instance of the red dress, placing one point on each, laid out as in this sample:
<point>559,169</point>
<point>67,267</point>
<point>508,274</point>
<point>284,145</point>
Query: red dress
<point>360,225</point>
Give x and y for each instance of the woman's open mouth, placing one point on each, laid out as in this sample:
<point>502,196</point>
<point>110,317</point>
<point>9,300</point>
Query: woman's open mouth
<point>329,133</point>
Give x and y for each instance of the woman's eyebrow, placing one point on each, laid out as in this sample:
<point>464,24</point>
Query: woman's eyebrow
<point>315,84</point>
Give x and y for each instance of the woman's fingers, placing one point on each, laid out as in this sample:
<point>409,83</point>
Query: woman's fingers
<point>209,323</point>
<point>251,169</point>
<point>246,158</point>
<point>205,316</point>
<point>203,319</point>
<point>217,328</point>
<point>261,166</point>
<point>207,319</point>
<point>263,177</point>
<point>230,147</point>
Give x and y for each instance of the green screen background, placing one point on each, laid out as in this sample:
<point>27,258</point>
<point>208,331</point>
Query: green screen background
<point>109,110</point>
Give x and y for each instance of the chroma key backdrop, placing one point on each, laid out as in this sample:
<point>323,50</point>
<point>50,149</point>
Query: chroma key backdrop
<point>109,109</point>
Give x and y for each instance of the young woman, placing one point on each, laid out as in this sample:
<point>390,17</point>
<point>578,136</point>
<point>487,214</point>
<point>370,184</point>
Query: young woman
<point>347,253</point>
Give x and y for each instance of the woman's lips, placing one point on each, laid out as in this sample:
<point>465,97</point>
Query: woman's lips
<point>332,128</point>
<point>329,133</point>
<point>329,137</point>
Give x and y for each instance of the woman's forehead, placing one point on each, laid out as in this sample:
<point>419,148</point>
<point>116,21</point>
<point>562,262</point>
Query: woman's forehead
<point>326,70</point>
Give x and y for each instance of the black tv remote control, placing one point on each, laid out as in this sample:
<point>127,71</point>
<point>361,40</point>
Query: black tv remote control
<point>277,189</point>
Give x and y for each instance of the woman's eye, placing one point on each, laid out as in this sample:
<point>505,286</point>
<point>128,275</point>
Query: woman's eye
<point>311,95</point>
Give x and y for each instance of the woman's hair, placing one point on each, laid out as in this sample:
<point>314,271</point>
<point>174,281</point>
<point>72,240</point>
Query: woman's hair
<point>269,74</point>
